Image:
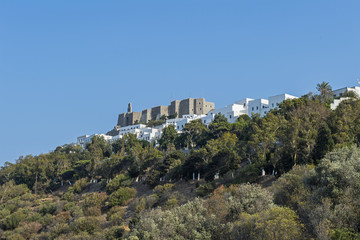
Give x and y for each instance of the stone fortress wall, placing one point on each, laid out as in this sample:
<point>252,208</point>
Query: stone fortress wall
<point>184,107</point>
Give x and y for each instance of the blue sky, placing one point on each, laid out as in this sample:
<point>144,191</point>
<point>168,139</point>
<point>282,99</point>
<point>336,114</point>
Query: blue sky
<point>68,68</point>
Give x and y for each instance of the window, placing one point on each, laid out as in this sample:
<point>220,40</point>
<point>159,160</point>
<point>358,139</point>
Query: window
<point>200,109</point>
<point>277,104</point>
<point>230,116</point>
<point>272,105</point>
<point>204,121</point>
<point>257,108</point>
<point>244,104</point>
<point>252,108</point>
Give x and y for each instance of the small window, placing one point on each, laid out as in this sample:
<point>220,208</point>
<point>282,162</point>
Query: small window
<point>244,104</point>
<point>252,108</point>
<point>272,105</point>
<point>277,104</point>
<point>230,116</point>
<point>204,121</point>
<point>257,108</point>
<point>200,109</point>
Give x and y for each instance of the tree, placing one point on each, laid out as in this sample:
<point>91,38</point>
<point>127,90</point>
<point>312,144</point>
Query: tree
<point>297,137</point>
<point>241,127</point>
<point>219,126</point>
<point>324,142</point>
<point>344,123</point>
<point>325,91</point>
<point>168,136</point>
<point>195,133</point>
<point>223,153</point>
<point>264,136</point>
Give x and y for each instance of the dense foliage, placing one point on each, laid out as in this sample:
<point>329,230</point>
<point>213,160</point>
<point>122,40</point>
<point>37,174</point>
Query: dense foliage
<point>200,184</point>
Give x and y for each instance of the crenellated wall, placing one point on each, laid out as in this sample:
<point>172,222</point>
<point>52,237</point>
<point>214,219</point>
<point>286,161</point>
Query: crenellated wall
<point>183,107</point>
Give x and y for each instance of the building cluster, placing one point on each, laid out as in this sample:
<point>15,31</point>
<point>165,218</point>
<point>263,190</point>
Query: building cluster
<point>176,108</point>
<point>340,95</point>
<point>179,113</point>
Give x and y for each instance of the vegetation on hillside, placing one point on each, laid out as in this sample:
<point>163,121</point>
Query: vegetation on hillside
<point>135,190</point>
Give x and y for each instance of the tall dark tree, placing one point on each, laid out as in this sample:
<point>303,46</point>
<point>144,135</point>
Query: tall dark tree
<point>219,126</point>
<point>324,142</point>
<point>168,136</point>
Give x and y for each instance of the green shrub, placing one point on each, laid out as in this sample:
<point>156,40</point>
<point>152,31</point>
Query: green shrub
<point>171,203</point>
<point>274,223</point>
<point>121,196</point>
<point>86,224</point>
<point>116,232</point>
<point>35,217</point>
<point>161,189</point>
<point>13,220</point>
<point>13,236</point>
<point>120,180</point>
<point>80,185</point>
<point>46,220</point>
<point>345,233</point>
<point>249,173</point>
<point>69,195</point>
<point>92,204</point>
<point>205,189</point>
<point>56,230</point>
<point>47,207</point>
<point>4,212</point>
<point>115,215</point>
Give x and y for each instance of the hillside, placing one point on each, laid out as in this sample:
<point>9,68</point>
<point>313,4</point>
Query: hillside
<point>204,183</point>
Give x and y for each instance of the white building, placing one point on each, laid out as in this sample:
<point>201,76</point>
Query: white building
<point>337,94</point>
<point>85,139</point>
<point>179,123</point>
<point>247,106</point>
<point>258,106</point>
<point>340,92</point>
<point>231,112</point>
<point>141,131</point>
<point>274,101</point>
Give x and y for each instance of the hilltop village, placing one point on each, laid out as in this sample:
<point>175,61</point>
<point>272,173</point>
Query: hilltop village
<point>149,123</point>
<point>184,171</point>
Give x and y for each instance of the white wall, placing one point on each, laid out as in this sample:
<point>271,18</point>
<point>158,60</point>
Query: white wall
<point>341,91</point>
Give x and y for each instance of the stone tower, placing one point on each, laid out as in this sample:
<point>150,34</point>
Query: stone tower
<point>129,108</point>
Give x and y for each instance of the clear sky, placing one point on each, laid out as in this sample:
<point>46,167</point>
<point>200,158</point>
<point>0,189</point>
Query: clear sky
<point>68,68</point>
